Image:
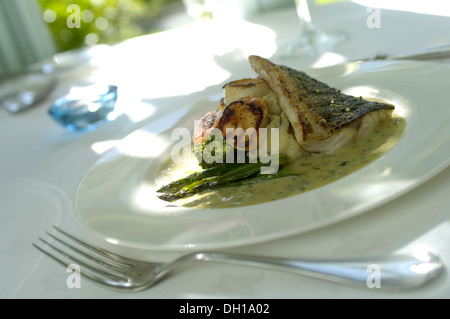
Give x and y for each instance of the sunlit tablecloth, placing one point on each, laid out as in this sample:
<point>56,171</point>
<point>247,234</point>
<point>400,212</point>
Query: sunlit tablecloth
<point>42,164</point>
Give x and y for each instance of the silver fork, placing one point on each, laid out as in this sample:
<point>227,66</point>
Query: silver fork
<point>112,270</point>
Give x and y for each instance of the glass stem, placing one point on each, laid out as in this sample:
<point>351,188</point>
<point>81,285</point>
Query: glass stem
<point>303,11</point>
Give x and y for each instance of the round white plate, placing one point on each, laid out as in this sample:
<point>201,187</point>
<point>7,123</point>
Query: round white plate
<point>117,199</point>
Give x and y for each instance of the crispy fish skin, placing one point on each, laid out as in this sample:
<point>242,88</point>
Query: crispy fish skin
<point>315,110</point>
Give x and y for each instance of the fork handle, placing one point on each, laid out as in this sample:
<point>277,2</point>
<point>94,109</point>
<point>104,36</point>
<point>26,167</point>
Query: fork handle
<point>394,272</point>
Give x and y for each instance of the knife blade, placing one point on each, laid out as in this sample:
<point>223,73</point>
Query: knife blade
<point>430,53</point>
<point>28,95</point>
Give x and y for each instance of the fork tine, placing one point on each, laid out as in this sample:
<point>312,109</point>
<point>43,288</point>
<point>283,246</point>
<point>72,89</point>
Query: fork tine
<point>113,266</point>
<point>103,252</point>
<point>88,270</point>
<point>51,255</point>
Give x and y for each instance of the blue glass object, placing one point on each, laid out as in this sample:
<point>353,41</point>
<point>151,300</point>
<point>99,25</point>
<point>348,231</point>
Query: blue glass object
<point>85,108</point>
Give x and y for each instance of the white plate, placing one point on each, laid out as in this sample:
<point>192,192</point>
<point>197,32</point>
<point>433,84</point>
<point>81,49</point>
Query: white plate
<point>116,198</point>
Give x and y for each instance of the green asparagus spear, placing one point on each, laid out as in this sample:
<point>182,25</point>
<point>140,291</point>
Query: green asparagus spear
<point>194,177</point>
<point>259,178</point>
<point>237,173</point>
<point>226,174</point>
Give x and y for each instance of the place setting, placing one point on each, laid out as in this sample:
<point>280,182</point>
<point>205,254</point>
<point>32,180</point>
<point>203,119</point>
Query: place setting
<point>119,198</point>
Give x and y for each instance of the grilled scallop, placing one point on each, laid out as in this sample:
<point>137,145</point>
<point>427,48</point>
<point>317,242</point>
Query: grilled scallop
<point>239,89</point>
<point>240,116</point>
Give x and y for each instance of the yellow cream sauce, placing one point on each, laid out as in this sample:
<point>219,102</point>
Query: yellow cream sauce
<point>315,171</point>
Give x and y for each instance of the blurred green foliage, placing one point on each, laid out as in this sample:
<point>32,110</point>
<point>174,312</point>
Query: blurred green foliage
<point>76,23</point>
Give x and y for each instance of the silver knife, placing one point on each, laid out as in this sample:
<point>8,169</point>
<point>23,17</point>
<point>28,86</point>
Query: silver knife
<point>430,53</point>
<point>29,95</point>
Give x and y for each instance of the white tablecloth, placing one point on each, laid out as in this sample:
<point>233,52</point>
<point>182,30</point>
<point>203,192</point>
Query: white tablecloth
<point>42,164</point>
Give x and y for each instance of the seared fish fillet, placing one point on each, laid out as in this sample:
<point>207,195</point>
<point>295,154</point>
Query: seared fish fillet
<point>315,110</point>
